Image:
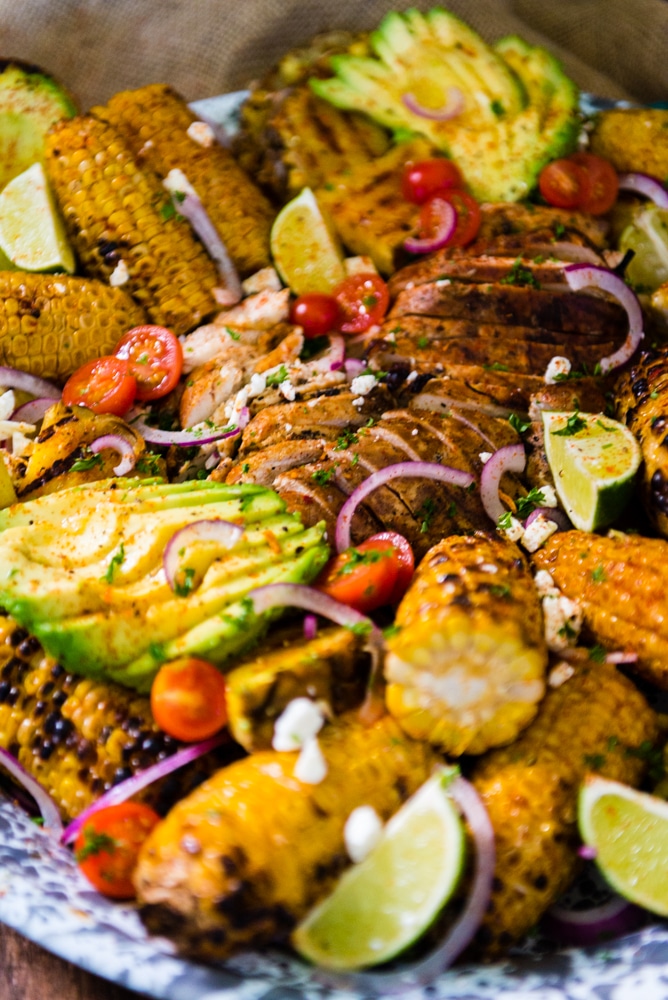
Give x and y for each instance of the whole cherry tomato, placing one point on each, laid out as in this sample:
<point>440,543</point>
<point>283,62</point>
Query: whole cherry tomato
<point>603,181</point>
<point>108,844</point>
<point>155,358</point>
<point>422,180</point>
<point>468,217</point>
<point>316,312</point>
<point>188,699</point>
<point>104,385</point>
<point>369,575</point>
<point>363,300</point>
<point>564,184</point>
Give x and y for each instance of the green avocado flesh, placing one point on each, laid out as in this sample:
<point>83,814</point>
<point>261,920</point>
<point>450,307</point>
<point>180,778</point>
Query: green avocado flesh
<point>82,569</point>
<point>519,107</point>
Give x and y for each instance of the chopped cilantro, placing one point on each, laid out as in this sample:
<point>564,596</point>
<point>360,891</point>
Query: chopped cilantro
<point>598,654</point>
<point>245,467</point>
<point>520,275</point>
<point>345,439</point>
<point>149,463</point>
<point>452,509</point>
<point>95,843</point>
<point>594,760</point>
<point>567,631</point>
<point>117,559</point>
<point>422,341</point>
<point>520,425</point>
<point>497,108</point>
<point>500,590</point>
<point>496,367</point>
<point>505,521</point>
<point>360,628</point>
<point>574,424</point>
<point>525,505</point>
<point>599,575</point>
<point>391,631</point>
<point>355,459</point>
<point>559,229</point>
<point>427,509</point>
<point>157,651</point>
<point>232,333</point>
<point>322,476</point>
<point>167,211</point>
<point>85,463</point>
<point>370,301</point>
<point>275,378</point>
<point>185,586</point>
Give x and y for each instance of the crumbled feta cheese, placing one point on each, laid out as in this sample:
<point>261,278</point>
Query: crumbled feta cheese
<point>362,832</point>
<point>411,377</point>
<point>359,265</point>
<point>545,584</point>
<point>391,338</point>
<point>176,182</point>
<point>201,133</point>
<point>409,285</point>
<point>359,401</point>
<point>7,404</point>
<point>300,720</point>
<point>514,531</point>
<point>557,367</point>
<point>20,443</point>
<point>120,275</point>
<point>489,568</point>
<point>485,456</point>
<point>538,533</point>
<point>549,496</point>
<point>562,620</point>
<point>414,432</point>
<point>257,384</point>
<point>287,390</point>
<point>264,280</point>
<point>560,674</point>
<point>361,385</point>
<point>288,428</point>
<point>313,402</point>
<point>311,766</point>
<point>443,282</point>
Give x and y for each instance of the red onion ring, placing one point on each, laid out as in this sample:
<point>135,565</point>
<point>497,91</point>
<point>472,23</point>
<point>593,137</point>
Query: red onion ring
<point>621,656</point>
<point>423,470</point>
<point>184,439</point>
<point>310,627</point>
<point>353,368</point>
<point>332,359</point>
<point>458,935</point>
<point>552,514</point>
<point>126,789</point>
<point>593,926</point>
<point>124,448</point>
<point>243,417</point>
<point>581,276</point>
<point>10,378</point>
<point>446,227</point>
<point>511,458</point>
<point>645,184</point>
<point>194,211</point>
<point>33,411</point>
<point>47,807</point>
<point>453,107</point>
<point>225,533</point>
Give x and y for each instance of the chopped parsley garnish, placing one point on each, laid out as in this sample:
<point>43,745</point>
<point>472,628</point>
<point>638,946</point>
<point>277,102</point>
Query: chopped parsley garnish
<point>497,108</point>
<point>422,341</point>
<point>275,378</point>
<point>598,654</point>
<point>391,631</point>
<point>85,463</point>
<point>167,211</point>
<point>599,575</point>
<point>500,590</point>
<point>117,560</point>
<point>95,843</point>
<point>525,505</point>
<point>245,467</point>
<point>427,509</point>
<point>232,333</point>
<point>157,652</point>
<point>505,521</point>
<point>322,476</point>
<point>574,424</point>
<point>559,229</point>
<point>452,509</point>
<point>520,275</point>
<point>185,586</point>
<point>496,367</point>
<point>370,301</point>
<point>518,424</point>
<point>360,628</point>
<point>594,760</point>
<point>149,463</point>
<point>345,439</point>
<point>356,558</point>
<point>567,631</point>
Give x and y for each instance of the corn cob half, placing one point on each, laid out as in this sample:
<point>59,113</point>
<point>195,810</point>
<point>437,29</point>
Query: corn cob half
<point>120,216</point>
<point>50,325</point>
<point>596,721</point>
<point>154,121</point>
<point>466,668</point>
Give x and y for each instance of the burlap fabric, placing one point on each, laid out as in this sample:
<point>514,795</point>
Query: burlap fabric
<point>204,47</point>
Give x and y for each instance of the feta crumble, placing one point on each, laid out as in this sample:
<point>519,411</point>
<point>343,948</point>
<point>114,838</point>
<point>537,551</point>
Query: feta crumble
<point>120,275</point>
<point>558,366</point>
<point>361,833</point>
<point>201,133</point>
<point>176,182</point>
<point>549,496</point>
<point>257,384</point>
<point>538,533</point>
<point>311,766</point>
<point>358,401</point>
<point>361,385</point>
<point>287,390</point>
<point>300,721</point>
<point>485,456</point>
<point>562,619</point>
<point>514,531</point>
<point>264,280</point>
<point>545,584</point>
<point>411,377</point>
<point>7,404</point>
<point>560,674</point>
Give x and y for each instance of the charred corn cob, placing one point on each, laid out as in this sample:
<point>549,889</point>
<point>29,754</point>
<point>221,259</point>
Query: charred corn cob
<point>642,403</point>
<point>328,668</point>
<point>597,720</point>
<point>633,139</point>
<point>154,121</point>
<point>466,668</point>
<point>621,587</point>
<point>240,861</point>
<point>121,222</point>
<point>50,325</point>
<point>78,737</point>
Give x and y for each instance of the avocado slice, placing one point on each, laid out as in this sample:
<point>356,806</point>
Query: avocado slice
<point>31,101</point>
<point>82,569</point>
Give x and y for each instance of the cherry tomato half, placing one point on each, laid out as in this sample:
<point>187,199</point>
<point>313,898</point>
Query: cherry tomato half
<point>104,385</point>
<point>369,575</point>
<point>108,844</point>
<point>316,312</point>
<point>155,358</point>
<point>603,183</point>
<point>363,300</point>
<point>564,184</point>
<point>188,699</point>
<point>468,217</point>
<point>422,180</point>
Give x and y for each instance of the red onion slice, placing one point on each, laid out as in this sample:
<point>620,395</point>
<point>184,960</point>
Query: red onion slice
<point>646,185</point>
<point>447,224</point>
<point>183,439</point>
<point>621,656</point>
<point>126,789</point>
<point>511,458</point>
<point>194,211</point>
<point>552,514</point>
<point>10,378</point>
<point>33,411</point>
<point>333,359</point>
<point>453,106</point>
<point>224,533</point>
<point>422,470</point>
<point>458,935</point>
<point>593,926</point>
<point>353,368</point>
<point>310,627</point>
<point>580,276</point>
<point>124,448</point>
<point>47,807</point>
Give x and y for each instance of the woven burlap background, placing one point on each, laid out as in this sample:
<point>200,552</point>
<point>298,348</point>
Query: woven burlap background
<point>204,47</point>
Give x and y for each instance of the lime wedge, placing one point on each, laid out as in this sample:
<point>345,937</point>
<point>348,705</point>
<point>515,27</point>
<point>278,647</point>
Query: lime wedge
<point>647,236</point>
<point>305,251</point>
<point>7,493</point>
<point>383,904</point>
<point>629,831</point>
<point>594,460</point>
<point>31,231</point>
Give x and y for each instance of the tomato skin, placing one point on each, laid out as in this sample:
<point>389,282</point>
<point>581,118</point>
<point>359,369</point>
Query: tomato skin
<point>468,217</point>
<point>188,699</point>
<point>155,359</point>
<point>378,576</point>
<point>422,180</point>
<point>363,300</point>
<point>316,312</point>
<point>603,183</point>
<point>108,844</point>
<point>564,184</point>
<point>104,385</point>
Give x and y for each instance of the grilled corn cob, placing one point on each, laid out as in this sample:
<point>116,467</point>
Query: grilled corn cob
<point>620,585</point>
<point>118,216</point>
<point>50,325</point>
<point>78,737</point>
<point>633,139</point>
<point>597,720</point>
<point>466,669</point>
<point>240,861</point>
<point>642,403</point>
<point>154,121</point>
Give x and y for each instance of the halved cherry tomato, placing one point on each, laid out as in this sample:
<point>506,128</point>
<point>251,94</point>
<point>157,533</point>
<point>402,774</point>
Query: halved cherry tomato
<point>104,385</point>
<point>188,699</point>
<point>369,575</point>
<point>363,300</point>
<point>108,844</point>
<point>422,180</point>
<point>316,312</point>
<point>468,217</point>
<point>155,358</point>
<point>603,183</point>
<point>564,184</point>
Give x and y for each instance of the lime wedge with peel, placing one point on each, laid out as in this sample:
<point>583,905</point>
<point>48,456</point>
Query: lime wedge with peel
<point>382,905</point>
<point>306,252</point>
<point>32,234</point>
<point>629,832</point>
<point>594,460</point>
